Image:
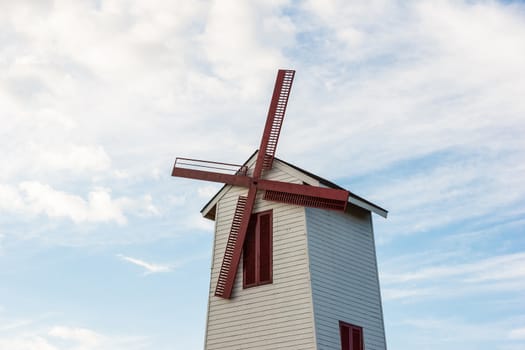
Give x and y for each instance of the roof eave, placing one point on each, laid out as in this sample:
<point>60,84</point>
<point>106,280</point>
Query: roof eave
<point>368,206</point>
<point>208,211</point>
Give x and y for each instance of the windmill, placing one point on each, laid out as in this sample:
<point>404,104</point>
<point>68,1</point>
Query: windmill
<point>250,233</point>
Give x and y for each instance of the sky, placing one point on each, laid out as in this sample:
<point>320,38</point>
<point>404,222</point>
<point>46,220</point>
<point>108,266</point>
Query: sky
<point>417,106</point>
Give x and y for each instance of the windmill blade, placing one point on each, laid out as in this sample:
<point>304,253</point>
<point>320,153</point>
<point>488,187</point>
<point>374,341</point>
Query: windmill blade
<point>232,253</point>
<point>309,196</point>
<point>274,121</point>
<point>237,180</point>
<point>231,174</point>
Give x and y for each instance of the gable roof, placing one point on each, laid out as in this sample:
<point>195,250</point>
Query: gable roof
<point>208,211</point>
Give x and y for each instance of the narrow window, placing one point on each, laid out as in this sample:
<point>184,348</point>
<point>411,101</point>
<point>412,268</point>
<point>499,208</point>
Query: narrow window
<point>257,251</point>
<point>351,336</point>
<point>249,255</point>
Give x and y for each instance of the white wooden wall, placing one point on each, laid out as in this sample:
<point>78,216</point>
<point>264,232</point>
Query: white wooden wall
<point>273,316</point>
<point>344,278</point>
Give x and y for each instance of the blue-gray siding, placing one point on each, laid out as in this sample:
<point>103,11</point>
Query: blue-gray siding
<point>343,272</point>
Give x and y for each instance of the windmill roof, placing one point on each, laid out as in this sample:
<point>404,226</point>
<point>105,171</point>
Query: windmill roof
<point>208,210</point>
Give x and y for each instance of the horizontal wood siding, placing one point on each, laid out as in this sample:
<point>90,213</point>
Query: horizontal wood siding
<point>344,279</point>
<point>272,316</point>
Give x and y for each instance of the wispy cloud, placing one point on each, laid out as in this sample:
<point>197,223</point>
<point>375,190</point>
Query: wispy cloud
<point>497,274</point>
<point>11,325</point>
<point>446,191</point>
<point>207,191</point>
<point>452,332</point>
<point>26,342</point>
<point>41,332</point>
<point>150,268</point>
<point>518,333</point>
<point>34,198</point>
<point>67,337</point>
<point>86,337</point>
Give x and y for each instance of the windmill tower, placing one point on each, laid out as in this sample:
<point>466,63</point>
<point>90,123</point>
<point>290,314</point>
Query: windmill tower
<point>294,262</point>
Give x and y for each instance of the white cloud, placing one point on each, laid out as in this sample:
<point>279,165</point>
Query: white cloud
<point>10,199</point>
<point>40,333</point>
<point>243,40</point>
<point>419,82</point>
<point>458,189</point>
<point>99,207</point>
<point>77,158</point>
<point>142,206</point>
<point>177,200</point>
<point>453,331</point>
<point>444,279</point>
<point>35,198</point>
<point>69,338</point>
<point>13,324</point>
<point>517,333</point>
<point>150,268</point>
<point>207,191</point>
<point>86,337</point>
<point>26,343</point>
<point>148,206</point>
<point>197,222</point>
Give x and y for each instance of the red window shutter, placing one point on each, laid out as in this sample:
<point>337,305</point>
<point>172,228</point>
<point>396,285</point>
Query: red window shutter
<point>249,254</point>
<point>265,248</point>
<point>357,339</point>
<point>257,250</point>
<point>345,337</point>
<point>351,336</point>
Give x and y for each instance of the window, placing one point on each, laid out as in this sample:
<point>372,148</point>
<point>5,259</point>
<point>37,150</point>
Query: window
<point>351,336</point>
<point>257,251</point>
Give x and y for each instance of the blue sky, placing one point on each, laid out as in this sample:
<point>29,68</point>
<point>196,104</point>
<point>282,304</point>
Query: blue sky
<point>417,106</point>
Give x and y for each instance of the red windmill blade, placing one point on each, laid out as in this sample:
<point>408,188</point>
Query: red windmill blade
<point>274,121</point>
<point>231,174</point>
